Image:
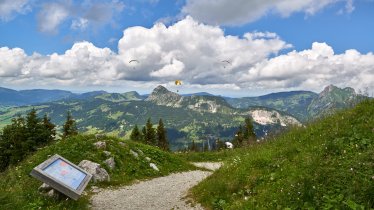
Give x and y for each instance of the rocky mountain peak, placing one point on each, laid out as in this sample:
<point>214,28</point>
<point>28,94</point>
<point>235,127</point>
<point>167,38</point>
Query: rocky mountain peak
<point>162,96</point>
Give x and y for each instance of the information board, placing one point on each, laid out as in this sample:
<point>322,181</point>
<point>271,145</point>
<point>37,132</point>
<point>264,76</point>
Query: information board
<point>63,176</point>
<point>65,173</point>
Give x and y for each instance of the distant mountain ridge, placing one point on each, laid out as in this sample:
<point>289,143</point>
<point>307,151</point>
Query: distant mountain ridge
<point>304,105</point>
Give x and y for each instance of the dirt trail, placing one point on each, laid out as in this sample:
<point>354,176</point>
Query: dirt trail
<point>167,192</point>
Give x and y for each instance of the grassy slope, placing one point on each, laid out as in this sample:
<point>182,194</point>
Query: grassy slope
<point>328,164</point>
<point>20,191</point>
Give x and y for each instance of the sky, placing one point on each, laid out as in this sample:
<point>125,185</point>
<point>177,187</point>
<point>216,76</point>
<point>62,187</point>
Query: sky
<point>232,48</point>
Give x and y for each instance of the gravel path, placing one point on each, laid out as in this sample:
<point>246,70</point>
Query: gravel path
<point>167,192</point>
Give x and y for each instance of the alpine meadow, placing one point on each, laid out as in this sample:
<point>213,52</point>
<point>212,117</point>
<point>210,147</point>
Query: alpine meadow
<point>191,104</point>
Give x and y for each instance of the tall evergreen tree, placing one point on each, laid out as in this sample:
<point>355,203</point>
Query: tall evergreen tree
<point>238,139</point>
<point>70,127</point>
<point>162,136</point>
<point>248,133</point>
<point>144,134</point>
<point>49,128</point>
<point>150,137</point>
<point>135,134</point>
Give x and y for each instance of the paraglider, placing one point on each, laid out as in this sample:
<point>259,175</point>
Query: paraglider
<point>225,63</point>
<point>178,82</point>
<point>133,61</point>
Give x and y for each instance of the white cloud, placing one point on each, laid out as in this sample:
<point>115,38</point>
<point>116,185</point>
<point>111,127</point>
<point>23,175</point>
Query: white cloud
<point>192,52</point>
<point>81,14</point>
<point>313,69</point>
<point>227,12</point>
<point>9,8</point>
<point>51,16</point>
<point>79,24</point>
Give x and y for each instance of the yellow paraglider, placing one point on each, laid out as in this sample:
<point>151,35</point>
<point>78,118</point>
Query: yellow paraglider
<point>178,82</point>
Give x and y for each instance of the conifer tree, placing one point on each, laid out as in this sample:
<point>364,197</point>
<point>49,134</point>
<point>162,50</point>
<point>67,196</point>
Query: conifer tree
<point>193,147</point>
<point>144,134</point>
<point>150,137</point>
<point>70,127</point>
<point>238,139</point>
<point>161,136</point>
<point>135,134</point>
<point>50,129</point>
<point>248,133</point>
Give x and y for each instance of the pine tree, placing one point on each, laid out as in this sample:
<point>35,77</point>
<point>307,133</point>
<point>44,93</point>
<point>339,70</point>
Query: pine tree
<point>135,134</point>
<point>161,136</point>
<point>69,128</point>
<point>144,134</point>
<point>49,129</point>
<point>238,138</point>
<point>248,133</point>
<point>150,137</point>
<point>193,147</point>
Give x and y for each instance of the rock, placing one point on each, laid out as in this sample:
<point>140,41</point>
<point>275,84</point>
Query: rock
<point>100,145</point>
<point>98,174</point>
<point>135,154</point>
<point>110,163</point>
<point>95,189</point>
<point>152,165</point>
<point>122,144</point>
<point>99,136</point>
<point>148,159</point>
<point>107,153</point>
<point>54,194</point>
<point>44,188</point>
<point>140,152</point>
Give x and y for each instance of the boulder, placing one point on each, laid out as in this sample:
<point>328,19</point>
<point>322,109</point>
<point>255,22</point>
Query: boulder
<point>107,153</point>
<point>122,144</point>
<point>44,188</point>
<point>152,165</point>
<point>110,163</point>
<point>98,174</point>
<point>148,159</point>
<point>140,152</point>
<point>135,154</point>
<point>100,145</point>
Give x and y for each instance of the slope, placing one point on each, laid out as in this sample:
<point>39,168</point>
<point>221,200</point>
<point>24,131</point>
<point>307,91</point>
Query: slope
<point>20,191</point>
<point>328,164</point>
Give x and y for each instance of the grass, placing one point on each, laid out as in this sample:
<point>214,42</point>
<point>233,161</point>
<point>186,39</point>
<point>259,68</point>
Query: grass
<point>327,165</point>
<point>20,191</point>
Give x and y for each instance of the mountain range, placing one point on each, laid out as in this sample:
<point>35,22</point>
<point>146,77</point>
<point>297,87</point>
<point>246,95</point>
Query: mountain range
<point>199,117</point>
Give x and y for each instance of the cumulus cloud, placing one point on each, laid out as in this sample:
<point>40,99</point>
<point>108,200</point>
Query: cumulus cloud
<point>227,12</point>
<point>9,8</point>
<point>313,69</point>
<point>51,16</point>
<point>82,14</point>
<point>192,52</point>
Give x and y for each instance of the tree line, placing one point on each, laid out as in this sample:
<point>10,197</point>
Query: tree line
<point>26,134</point>
<point>151,136</point>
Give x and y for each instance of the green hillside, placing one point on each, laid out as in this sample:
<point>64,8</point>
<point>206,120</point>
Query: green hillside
<point>20,191</point>
<point>326,165</point>
<point>187,118</point>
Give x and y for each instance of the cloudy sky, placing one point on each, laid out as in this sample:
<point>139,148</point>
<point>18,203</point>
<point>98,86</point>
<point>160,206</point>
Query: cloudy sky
<point>245,48</point>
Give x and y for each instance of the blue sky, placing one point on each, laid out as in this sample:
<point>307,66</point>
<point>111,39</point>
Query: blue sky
<point>281,31</point>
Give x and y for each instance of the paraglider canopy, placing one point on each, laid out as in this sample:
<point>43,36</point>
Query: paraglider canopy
<point>225,63</point>
<point>178,82</point>
<point>133,61</point>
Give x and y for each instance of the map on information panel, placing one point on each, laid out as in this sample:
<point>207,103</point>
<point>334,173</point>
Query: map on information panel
<point>65,173</point>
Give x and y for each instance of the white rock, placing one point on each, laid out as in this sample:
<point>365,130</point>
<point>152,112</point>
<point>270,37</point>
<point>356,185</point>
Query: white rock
<point>100,145</point>
<point>107,153</point>
<point>44,188</point>
<point>110,163</point>
<point>135,154</point>
<point>148,159</point>
<point>152,165</point>
<point>98,174</point>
